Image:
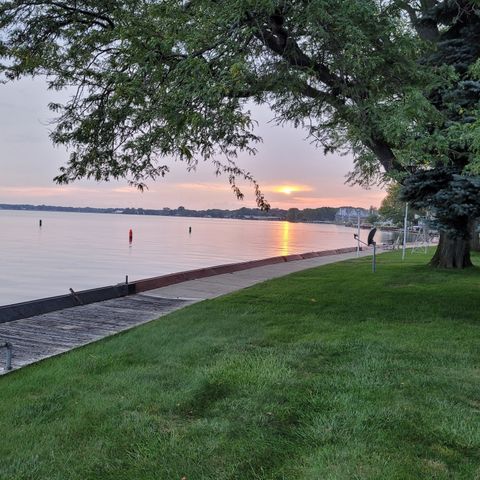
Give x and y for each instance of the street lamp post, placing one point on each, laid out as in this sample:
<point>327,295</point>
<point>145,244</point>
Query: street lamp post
<point>358,232</point>
<point>369,242</point>
<point>405,222</point>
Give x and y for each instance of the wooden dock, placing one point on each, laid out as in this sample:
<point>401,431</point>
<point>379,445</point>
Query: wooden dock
<point>43,336</point>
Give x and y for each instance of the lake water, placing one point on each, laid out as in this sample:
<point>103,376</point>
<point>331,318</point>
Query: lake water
<point>82,250</point>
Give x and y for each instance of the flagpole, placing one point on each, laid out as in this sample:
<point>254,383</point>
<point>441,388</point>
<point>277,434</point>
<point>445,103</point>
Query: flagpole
<point>358,232</point>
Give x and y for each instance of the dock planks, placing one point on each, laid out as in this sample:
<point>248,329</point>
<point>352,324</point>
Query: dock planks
<point>43,336</point>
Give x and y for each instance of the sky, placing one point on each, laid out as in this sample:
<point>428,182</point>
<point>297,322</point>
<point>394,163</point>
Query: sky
<point>291,172</point>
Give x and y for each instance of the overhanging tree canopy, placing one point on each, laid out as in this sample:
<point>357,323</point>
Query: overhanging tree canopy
<point>171,78</point>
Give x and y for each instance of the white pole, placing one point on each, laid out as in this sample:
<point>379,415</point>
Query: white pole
<point>405,232</point>
<point>358,233</point>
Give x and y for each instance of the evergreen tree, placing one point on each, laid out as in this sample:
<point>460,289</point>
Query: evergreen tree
<point>454,199</point>
<point>448,185</point>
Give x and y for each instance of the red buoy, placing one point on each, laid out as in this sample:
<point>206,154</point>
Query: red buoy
<point>130,236</point>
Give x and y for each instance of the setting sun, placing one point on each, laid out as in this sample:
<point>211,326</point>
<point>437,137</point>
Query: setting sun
<point>289,189</point>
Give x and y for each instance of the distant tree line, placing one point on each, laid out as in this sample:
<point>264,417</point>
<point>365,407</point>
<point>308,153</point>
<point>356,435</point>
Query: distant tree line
<point>322,214</point>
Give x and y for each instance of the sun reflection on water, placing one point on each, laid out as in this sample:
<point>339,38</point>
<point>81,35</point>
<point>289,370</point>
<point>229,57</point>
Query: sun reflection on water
<point>285,239</point>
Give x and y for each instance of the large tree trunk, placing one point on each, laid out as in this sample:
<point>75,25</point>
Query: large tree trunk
<point>475,241</point>
<point>452,252</point>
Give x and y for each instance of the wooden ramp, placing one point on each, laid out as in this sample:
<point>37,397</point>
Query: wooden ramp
<point>43,336</point>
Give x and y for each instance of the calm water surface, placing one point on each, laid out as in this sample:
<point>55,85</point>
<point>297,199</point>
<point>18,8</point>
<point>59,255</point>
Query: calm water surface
<point>82,250</point>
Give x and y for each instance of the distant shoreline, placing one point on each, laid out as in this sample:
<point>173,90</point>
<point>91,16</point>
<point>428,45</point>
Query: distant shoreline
<point>309,215</point>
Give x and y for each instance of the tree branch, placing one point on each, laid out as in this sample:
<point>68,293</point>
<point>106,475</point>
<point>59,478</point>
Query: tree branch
<point>278,39</point>
<point>426,27</point>
<point>384,154</point>
<point>87,13</point>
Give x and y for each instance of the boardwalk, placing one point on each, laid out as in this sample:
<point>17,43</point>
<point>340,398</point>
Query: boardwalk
<point>43,336</point>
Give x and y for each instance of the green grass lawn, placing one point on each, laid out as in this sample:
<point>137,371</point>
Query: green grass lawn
<point>330,373</point>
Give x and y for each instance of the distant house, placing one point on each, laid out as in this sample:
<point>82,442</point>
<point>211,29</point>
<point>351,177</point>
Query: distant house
<point>350,214</point>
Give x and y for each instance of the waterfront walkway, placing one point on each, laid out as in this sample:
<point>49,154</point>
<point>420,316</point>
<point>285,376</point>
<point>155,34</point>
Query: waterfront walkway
<point>43,336</point>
